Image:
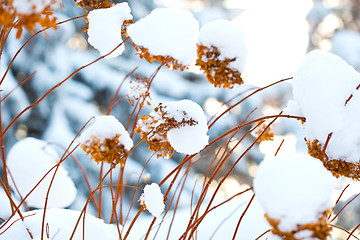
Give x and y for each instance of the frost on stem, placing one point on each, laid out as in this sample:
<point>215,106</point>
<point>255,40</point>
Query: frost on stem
<point>295,192</point>
<point>28,161</point>
<point>222,53</point>
<point>152,199</point>
<point>106,27</point>
<point>19,14</point>
<point>60,224</point>
<point>106,140</point>
<point>166,35</point>
<point>325,91</point>
<point>177,125</point>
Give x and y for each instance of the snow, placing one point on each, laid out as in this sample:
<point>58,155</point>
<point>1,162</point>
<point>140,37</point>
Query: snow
<point>153,199</point>
<point>321,87</point>
<point>60,224</point>
<point>295,189</point>
<point>228,38</point>
<point>30,6</point>
<point>175,37</point>
<point>187,139</point>
<point>106,127</point>
<point>5,207</point>
<point>105,28</point>
<point>28,161</point>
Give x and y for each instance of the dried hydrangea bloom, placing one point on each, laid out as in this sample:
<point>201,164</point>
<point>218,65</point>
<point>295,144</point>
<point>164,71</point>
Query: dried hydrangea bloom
<point>177,125</point>
<point>105,37</point>
<point>139,89</point>
<point>222,53</point>
<point>106,140</point>
<point>332,111</point>
<point>20,14</point>
<point>171,41</point>
<point>268,135</point>
<point>152,199</point>
<point>295,191</point>
<point>96,4</point>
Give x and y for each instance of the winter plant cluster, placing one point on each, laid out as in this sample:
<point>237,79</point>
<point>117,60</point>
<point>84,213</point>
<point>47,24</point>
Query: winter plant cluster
<point>293,192</point>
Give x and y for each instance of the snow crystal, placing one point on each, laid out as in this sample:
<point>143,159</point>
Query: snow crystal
<point>105,28</point>
<point>30,6</point>
<point>106,127</point>
<point>228,38</point>
<point>167,32</point>
<point>153,199</point>
<point>187,139</point>
<point>60,224</point>
<point>322,86</point>
<point>294,189</point>
<point>28,161</point>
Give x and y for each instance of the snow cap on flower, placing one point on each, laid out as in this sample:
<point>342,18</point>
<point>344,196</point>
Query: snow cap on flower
<point>28,161</point>
<point>222,53</point>
<point>106,140</point>
<point>179,125</point>
<point>105,28</point>
<point>295,191</point>
<point>167,35</point>
<point>326,91</point>
<point>153,200</point>
<point>30,6</point>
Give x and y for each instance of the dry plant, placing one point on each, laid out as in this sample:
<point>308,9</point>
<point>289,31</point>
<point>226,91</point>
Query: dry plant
<point>153,129</point>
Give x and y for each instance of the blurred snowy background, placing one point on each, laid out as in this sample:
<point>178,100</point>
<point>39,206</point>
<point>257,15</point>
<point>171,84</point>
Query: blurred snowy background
<point>278,32</point>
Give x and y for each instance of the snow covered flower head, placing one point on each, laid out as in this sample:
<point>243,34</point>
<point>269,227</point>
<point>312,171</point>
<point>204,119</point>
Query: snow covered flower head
<point>139,89</point>
<point>177,125</point>
<point>106,140</point>
<point>152,199</point>
<point>106,26</point>
<point>222,53</point>
<point>21,14</point>
<point>325,90</point>
<point>295,191</point>
<point>166,35</point>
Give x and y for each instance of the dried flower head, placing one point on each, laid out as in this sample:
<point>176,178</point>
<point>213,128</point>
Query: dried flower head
<point>139,89</point>
<point>106,141</point>
<point>168,61</point>
<point>155,126</point>
<point>218,71</point>
<point>222,53</point>
<point>267,133</point>
<point>20,14</point>
<point>319,230</point>
<point>95,4</point>
<point>107,150</point>
<point>337,167</point>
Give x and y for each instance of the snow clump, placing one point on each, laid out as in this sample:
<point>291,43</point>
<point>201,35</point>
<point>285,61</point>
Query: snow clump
<point>295,191</point>
<point>325,90</point>
<point>28,161</point>
<point>106,140</point>
<point>167,35</point>
<point>152,199</point>
<point>105,28</point>
<point>60,224</point>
